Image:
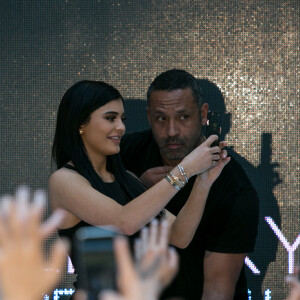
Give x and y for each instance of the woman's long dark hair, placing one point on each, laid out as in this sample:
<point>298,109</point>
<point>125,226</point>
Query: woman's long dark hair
<point>74,110</point>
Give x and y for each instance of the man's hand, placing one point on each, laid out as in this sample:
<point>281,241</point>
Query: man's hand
<point>154,175</point>
<point>217,160</point>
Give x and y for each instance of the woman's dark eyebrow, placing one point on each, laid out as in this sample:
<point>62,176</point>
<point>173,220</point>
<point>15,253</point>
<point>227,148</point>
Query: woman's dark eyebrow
<point>111,112</point>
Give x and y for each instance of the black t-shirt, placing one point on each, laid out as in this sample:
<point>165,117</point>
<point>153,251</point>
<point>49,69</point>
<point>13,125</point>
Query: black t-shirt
<point>229,223</point>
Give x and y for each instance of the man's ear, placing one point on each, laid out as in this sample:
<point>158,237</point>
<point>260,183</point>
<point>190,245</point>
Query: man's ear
<point>204,111</point>
<point>148,115</point>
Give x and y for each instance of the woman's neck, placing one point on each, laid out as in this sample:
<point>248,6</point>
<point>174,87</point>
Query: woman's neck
<point>100,167</point>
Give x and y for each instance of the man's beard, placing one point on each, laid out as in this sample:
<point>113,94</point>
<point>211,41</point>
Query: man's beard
<point>182,152</point>
<point>174,154</point>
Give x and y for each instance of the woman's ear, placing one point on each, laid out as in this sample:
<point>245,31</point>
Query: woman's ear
<point>81,131</point>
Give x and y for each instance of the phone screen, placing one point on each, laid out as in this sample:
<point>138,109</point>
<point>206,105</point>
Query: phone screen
<point>213,126</point>
<point>95,260</point>
<point>100,266</point>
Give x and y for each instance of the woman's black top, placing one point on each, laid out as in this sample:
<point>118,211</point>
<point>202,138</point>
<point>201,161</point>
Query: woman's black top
<point>119,195</point>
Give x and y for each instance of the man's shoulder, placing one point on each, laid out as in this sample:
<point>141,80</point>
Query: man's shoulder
<point>233,194</point>
<point>230,221</point>
<point>234,174</point>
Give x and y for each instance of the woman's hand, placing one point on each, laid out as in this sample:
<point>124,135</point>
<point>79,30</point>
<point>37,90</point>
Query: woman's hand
<point>208,177</point>
<point>202,158</point>
<point>205,157</point>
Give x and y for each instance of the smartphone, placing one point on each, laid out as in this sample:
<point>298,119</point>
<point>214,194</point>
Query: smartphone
<point>95,260</point>
<point>213,126</point>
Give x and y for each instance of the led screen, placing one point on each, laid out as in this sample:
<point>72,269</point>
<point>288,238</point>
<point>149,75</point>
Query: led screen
<point>245,54</point>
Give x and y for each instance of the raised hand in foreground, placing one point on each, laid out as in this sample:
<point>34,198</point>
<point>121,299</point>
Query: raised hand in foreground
<point>25,274</point>
<point>154,267</point>
<point>295,286</point>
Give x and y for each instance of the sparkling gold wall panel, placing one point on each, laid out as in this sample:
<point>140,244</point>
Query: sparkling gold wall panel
<point>246,50</point>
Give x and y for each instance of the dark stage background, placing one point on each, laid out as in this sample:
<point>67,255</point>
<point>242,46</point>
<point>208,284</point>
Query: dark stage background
<point>246,53</point>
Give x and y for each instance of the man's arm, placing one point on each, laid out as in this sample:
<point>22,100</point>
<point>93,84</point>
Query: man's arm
<point>221,272</point>
<point>154,175</point>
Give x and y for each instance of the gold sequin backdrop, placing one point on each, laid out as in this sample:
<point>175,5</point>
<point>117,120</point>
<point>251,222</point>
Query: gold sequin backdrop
<point>247,52</point>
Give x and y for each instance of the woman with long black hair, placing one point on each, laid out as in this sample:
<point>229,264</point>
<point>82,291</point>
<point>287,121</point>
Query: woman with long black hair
<point>91,183</point>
